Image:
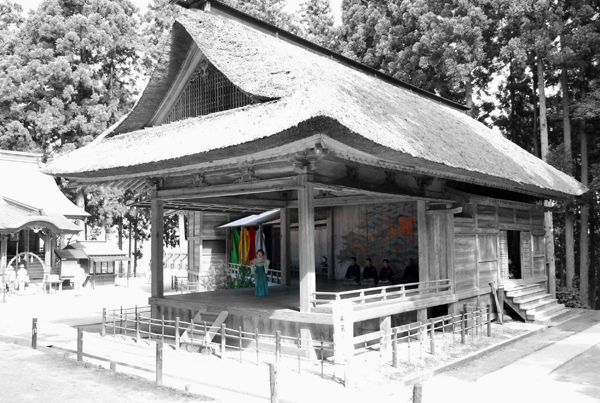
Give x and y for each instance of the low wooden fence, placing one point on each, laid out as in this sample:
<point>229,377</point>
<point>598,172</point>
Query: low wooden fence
<point>137,323</point>
<point>472,322</point>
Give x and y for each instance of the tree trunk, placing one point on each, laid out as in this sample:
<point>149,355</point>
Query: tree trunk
<point>584,232</point>
<point>120,243</point>
<point>513,131</point>
<point>569,215</point>
<point>183,246</point>
<point>550,259</point>
<point>592,259</point>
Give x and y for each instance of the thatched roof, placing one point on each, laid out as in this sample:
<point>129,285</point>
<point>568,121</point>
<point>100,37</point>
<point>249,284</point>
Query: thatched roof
<point>374,115</point>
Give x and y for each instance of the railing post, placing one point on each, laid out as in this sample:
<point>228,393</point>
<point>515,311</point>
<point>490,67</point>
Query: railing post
<point>462,327</point>
<point>432,341</point>
<point>177,333</point>
<point>79,344</point>
<point>384,293</point>
<point>121,321</point>
<point>162,328</point>
<point>223,340</point>
<point>277,345</point>
<point>489,321</point>
<point>126,324</point>
<point>408,341</point>
<point>466,311</point>
<point>159,362</point>
<point>298,343</point>
<point>395,349</point>
<point>114,323</point>
<point>273,382</point>
<point>103,329</point>
<point>34,333</point>
<point>256,337</point>
<point>417,393</point>
<point>322,357</point>
<point>362,296</point>
<point>192,335</point>
<point>137,327</point>
<point>240,339</point>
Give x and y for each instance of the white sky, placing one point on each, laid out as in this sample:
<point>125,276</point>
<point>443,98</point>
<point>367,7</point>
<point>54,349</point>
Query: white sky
<point>292,5</point>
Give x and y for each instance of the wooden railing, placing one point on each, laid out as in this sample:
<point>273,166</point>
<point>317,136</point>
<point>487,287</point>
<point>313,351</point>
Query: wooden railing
<point>378,294</point>
<point>273,275</point>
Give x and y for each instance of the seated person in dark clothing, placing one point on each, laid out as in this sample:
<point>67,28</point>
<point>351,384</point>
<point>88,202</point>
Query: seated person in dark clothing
<point>353,273</point>
<point>370,276</point>
<point>386,275</point>
<point>411,273</point>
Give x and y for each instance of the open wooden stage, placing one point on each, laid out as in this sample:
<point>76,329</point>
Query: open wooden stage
<point>279,311</point>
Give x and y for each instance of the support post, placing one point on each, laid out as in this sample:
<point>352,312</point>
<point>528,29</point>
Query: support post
<point>432,340</point>
<point>156,251</point>
<point>395,349</point>
<point>285,246</point>
<point>489,321</point>
<point>103,330</point>
<point>306,236</point>
<point>223,340</point>
<point>79,344</point>
<point>385,326</point>
<point>423,245</point>
<point>501,304</point>
<point>3,248</point>
<point>273,382</point>
<point>159,363</point>
<point>277,346</point>
<point>330,252</point>
<point>177,333</point>
<point>418,393</point>
<point>34,333</point>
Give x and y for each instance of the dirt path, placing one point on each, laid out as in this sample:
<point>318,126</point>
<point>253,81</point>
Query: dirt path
<point>68,381</point>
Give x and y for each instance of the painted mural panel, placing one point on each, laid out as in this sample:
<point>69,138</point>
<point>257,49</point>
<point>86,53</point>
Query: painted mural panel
<point>379,231</point>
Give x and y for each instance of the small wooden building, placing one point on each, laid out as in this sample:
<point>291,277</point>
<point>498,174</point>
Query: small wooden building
<point>97,258</point>
<point>241,117</point>
<point>34,216</point>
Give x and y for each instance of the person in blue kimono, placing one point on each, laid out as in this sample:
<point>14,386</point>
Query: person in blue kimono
<point>386,275</point>
<point>370,277</point>
<point>260,266</point>
<point>353,273</point>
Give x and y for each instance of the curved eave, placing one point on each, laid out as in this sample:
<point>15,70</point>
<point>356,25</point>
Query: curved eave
<point>41,222</point>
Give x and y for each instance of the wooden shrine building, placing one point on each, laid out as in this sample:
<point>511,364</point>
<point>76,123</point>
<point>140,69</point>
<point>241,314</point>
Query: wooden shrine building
<point>34,215</point>
<point>240,117</point>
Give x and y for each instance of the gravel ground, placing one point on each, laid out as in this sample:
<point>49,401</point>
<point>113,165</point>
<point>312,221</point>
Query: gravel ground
<point>32,376</point>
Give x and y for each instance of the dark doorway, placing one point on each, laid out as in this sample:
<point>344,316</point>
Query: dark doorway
<point>513,239</point>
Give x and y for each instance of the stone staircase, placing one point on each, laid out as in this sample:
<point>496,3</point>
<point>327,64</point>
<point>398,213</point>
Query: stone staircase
<point>533,303</point>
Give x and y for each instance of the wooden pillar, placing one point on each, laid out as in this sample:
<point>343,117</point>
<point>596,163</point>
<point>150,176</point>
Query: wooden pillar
<point>423,240</point>
<point>156,247</point>
<point>3,245</point>
<point>385,326</point>
<point>285,246</point>
<point>306,237</point>
<point>330,253</point>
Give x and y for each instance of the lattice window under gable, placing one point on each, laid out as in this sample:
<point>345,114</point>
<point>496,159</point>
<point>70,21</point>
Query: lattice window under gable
<point>208,91</point>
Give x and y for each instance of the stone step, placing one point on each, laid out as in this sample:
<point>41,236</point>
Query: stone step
<point>543,312</point>
<point>557,317</point>
<point>537,303</point>
<point>529,297</point>
<point>527,290</point>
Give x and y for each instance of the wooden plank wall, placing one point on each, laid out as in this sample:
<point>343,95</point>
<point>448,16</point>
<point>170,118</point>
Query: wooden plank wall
<point>202,226</point>
<point>481,250</point>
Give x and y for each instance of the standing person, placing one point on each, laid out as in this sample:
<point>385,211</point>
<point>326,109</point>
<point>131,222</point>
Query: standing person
<point>22,277</point>
<point>259,266</point>
<point>353,273</point>
<point>386,275</point>
<point>411,273</point>
<point>11,276</point>
<point>370,276</point>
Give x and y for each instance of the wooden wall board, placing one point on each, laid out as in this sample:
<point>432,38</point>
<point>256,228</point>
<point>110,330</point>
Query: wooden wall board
<point>486,216</point>
<point>506,215</point>
<point>488,271</point>
<point>465,261</point>
<point>523,217</point>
